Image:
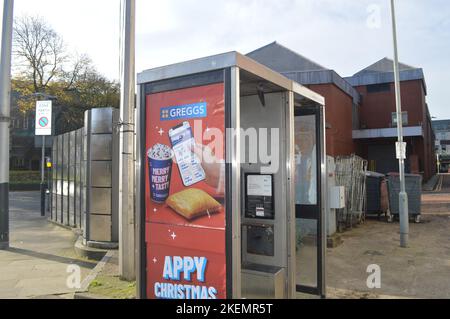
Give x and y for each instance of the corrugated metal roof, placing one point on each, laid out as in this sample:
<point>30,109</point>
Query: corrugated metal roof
<point>299,68</point>
<point>383,66</point>
<point>382,71</point>
<point>281,59</point>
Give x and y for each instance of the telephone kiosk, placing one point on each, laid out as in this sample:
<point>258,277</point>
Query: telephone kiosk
<point>263,256</point>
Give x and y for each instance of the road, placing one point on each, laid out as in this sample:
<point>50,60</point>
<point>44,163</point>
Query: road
<point>443,184</point>
<point>36,265</point>
<point>437,202</point>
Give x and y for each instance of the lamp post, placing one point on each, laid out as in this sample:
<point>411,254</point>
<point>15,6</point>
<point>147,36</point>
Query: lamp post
<point>401,145</point>
<point>126,149</point>
<point>5,112</point>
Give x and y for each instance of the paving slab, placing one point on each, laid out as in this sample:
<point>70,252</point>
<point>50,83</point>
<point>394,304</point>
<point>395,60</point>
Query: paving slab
<point>40,253</point>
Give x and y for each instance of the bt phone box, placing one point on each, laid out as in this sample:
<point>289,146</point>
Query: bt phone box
<point>189,165</point>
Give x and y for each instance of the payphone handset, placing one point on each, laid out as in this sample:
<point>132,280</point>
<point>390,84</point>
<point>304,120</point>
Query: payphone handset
<point>259,196</point>
<point>189,165</point>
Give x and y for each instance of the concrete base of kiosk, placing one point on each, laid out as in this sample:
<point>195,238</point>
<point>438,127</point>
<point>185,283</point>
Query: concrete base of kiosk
<point>263,282</point>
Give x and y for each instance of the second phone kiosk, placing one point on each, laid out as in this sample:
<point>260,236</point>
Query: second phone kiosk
<point>231,177</point>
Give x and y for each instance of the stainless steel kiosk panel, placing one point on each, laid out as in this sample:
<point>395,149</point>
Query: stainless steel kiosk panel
<point>54,180</point>
<point>99,218</point>
<point>72,177</point>
<point>78,177</point>
<point>65,179</point>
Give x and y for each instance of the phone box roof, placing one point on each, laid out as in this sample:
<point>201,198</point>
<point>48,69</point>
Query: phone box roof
<point>250,69</point>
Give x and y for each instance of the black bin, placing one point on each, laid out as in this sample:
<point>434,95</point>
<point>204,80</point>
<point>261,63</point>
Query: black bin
<point>373,193</point>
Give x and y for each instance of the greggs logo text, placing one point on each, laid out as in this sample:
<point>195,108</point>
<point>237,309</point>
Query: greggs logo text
<point>177,269</point>
<point>182,112</point>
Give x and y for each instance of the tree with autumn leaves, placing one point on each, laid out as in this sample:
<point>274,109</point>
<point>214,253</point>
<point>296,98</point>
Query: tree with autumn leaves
<point>42,66</point>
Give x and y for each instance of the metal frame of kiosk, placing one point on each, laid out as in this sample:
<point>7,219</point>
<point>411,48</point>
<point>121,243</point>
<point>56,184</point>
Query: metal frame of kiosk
<point>262,270</point>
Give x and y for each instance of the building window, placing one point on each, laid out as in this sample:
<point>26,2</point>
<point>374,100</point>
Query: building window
<point>17,123</point>
<point>404,119</point>
<point>18,163</point>
<point>377,88</point>
<point>25,122</point>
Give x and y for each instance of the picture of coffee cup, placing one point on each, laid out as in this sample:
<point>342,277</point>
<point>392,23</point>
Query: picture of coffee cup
<point>160,161</point>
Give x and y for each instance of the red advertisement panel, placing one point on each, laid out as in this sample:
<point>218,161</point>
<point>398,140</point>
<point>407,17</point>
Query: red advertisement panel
<point>185,182</point>
<point>188,266</point>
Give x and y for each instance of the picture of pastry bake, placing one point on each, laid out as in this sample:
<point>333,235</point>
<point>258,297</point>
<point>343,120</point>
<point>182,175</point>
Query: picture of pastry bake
<point>193,203</point>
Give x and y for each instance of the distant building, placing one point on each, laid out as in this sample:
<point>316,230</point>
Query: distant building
<point>378,121</point>
<point>442,132</point>
<point>360,110</point>
<point>25,153</point>
<point>342,100</point>
<point>442,144</point>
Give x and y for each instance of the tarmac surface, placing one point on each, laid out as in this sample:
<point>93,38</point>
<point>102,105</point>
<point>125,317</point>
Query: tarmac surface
<point>420,271</point>
<point>37,263</point>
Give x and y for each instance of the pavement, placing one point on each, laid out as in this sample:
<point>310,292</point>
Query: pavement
<point>37,263</point>
<point>420,271</point>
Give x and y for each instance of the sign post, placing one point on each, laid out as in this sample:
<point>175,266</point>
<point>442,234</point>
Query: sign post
<point>43,128</point>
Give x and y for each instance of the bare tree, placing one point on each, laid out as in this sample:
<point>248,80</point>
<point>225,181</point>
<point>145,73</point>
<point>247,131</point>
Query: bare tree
<point>40,51</point>
<point>42,64</point>
<point>79,68</point>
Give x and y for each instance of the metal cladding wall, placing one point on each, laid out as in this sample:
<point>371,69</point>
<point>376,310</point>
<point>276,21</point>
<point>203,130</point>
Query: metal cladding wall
<point>66,193</point>
<point>102,137</point>
<point>82,177</point>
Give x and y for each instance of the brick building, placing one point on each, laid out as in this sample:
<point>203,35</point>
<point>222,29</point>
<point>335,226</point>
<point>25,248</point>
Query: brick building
<point>378,123</point>
<point>360,109</point>
<point>23,154</point>
<point>342,100</point>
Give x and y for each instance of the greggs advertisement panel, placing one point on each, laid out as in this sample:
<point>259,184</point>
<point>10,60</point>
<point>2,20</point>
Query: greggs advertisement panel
<point>184,193</point>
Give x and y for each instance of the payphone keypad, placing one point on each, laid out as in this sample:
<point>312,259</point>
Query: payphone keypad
<point>260,240</point>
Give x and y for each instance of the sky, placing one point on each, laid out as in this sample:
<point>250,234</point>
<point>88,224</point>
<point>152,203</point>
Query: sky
<point>343,35</point>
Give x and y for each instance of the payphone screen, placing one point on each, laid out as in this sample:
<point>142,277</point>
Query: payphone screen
<point>259,196</point>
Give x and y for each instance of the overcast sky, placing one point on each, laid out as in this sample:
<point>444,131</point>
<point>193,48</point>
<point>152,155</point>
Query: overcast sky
<point>344,35</point>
